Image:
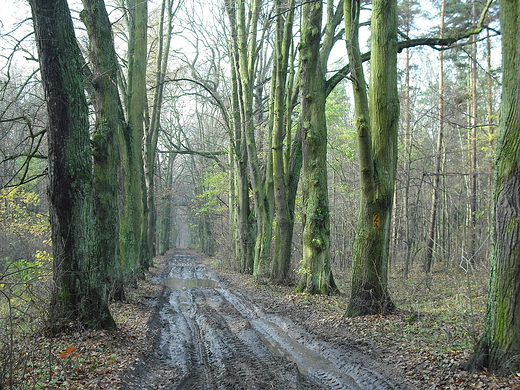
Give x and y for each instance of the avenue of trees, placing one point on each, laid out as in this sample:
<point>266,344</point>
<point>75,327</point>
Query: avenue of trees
<point>295,139</point>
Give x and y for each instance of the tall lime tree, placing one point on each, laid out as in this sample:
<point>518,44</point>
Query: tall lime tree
<point>240,207</point>
<point>110,126</point>
<point>377,117</point>
<point>499,348</point>
<point>316,274</point>
<point>244,18</point>
<point>80,289</point>
<point>134,231</point>
<point>280,112</point>
<point>164,38</point>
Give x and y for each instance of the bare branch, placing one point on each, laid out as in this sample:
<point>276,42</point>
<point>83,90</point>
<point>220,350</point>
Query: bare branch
<point>436,43</point>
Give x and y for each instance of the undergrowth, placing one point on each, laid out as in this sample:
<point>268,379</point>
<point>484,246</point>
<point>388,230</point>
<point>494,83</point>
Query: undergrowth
<point>446,307</point>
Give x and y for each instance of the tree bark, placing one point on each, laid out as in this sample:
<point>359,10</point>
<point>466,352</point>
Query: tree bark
<point>376,122</point>
<point>152,131</point>
<point>79,286</point>
<point>245,237</point>
<point>316,274</point>
<point>109,127</point>
<point>134,243</point>
<point>430,239</point>
<point>281,110</point>
<point>499,347</point>
<point>245,50</point>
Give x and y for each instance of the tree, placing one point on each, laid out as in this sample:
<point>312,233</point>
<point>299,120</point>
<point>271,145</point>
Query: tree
<point>79,293</point>
<point>316,275</point>
<point>134,231</point>
<point>106,141</point>
<point>281,109</point>
<point>377,122</point>
<point>240,204</point>
<point>245,59</point>
<point>472,144</point>
<point>499,347</point>
<point>164,225</point>
<point>439,156</point>
<point>152,131</point>
<point>409,9</point>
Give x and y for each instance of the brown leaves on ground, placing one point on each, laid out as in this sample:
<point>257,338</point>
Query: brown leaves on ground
<point>86,359</point>
<point>427,364</point>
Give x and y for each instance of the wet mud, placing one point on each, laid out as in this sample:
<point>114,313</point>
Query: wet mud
<point>213,336</point>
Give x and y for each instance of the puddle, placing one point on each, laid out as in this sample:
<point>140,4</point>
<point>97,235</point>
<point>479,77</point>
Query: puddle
<point>178,283</point>
<point>304,357</point>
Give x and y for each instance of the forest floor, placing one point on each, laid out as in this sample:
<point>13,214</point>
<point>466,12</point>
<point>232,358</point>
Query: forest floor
<point>422,345</point>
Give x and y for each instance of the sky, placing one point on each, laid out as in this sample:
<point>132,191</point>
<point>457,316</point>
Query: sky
<point>14,25</point>
<point>14,12</point>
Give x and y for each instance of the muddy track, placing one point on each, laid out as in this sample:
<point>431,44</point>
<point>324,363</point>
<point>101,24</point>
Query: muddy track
<point>213,337</point>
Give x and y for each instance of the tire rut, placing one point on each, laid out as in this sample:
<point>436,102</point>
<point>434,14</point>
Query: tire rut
<point>212,337</point>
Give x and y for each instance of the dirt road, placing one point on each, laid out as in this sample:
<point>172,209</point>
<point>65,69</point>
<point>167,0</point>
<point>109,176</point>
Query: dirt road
<point>212,335</point>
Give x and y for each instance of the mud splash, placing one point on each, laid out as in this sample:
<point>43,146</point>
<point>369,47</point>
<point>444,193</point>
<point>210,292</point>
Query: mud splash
<point>215,337</point>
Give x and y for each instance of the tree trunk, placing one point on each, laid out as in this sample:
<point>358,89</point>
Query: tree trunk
<point>499,348</point>
<point>472,245</point>
<point>110,125</point>
<point>407,215</point>
<point>247,43</point>
<point>166,215</point>
<point>244,247</point>
<point>281,110</point>
<point>430,240</point>
<point>79,283</point>
<point>134,247</point>
<point>244,41</point>
<point>377,123</point>
<point>408,241</point>
<point>152,132</point>
<point>316,274</point>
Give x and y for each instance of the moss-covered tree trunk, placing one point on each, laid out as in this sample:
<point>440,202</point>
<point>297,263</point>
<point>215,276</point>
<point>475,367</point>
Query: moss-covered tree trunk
<point>244,36</point>
<point>247,60</point>
<point>281,108</point>
<point>499,348</point>
<point>316,275</point>
<point>152,132</point>
<point>110,124</point>
<point>377,124</point>
<point>243,220</point>
<point>244,223</point>
<point>79,286</point>
<point>134,243</point>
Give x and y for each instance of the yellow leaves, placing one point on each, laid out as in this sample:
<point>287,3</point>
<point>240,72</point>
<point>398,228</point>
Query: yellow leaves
<point>42,258</point>
<point>20,215</point>
<point>17,200</point>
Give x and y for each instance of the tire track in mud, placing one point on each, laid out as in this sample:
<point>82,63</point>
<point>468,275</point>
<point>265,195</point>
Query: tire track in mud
<point>212,337</point>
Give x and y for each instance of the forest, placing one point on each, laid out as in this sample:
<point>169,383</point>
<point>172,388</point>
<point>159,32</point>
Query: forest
<point>359,159</point>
